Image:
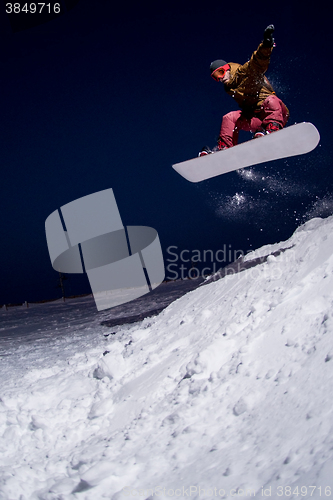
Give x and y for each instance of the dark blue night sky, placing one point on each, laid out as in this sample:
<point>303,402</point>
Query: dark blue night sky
<point>110,97</point>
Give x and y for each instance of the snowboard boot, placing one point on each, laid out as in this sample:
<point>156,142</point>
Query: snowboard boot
<point>270,127</point>
<point>221,145</point>
<point>260,132</point>
<point>205,151</point>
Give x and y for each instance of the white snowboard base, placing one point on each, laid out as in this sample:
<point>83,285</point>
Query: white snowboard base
<point>295,140</point>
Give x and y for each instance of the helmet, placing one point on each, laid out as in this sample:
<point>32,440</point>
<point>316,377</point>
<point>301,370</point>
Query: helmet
<point>217,64</point>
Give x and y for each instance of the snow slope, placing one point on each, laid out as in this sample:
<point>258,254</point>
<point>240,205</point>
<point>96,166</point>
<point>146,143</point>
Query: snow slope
<point>227,392</point>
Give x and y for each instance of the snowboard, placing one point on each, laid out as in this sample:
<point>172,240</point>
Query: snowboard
<point>294,140</point>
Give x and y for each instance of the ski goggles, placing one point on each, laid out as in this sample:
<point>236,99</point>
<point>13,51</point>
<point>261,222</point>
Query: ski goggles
<point>221,72</point>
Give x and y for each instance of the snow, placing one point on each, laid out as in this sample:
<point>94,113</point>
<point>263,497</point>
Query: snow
<point>227,392</point>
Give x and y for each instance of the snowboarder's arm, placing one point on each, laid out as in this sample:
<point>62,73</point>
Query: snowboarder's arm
<point>259,62</point>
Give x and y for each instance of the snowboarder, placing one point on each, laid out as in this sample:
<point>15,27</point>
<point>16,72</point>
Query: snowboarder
<point>261,111</point>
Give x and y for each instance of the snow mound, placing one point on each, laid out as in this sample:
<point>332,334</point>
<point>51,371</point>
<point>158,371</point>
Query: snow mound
<point>226,393</point>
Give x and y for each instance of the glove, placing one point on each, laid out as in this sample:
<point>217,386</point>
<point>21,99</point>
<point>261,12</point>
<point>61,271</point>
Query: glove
<point>268,38</point>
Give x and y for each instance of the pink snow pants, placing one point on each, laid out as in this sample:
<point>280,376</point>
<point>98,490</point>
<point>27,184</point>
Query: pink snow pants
<point>271,110</point>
